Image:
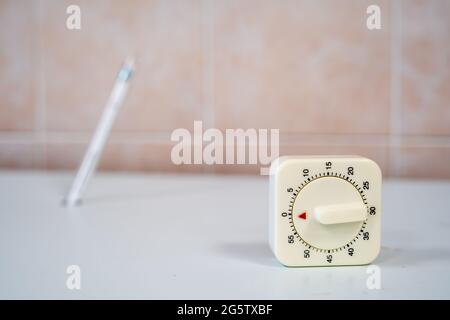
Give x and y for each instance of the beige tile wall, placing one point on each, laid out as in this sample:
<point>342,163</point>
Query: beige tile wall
<point>310,68</point>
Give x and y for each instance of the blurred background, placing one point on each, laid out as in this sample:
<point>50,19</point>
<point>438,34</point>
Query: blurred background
<point>310,68</point>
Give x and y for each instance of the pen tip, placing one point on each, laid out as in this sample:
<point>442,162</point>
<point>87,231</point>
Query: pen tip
<point>129,63</point>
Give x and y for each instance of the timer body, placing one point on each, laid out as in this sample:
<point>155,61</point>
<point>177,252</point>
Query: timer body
<point>325,210</point>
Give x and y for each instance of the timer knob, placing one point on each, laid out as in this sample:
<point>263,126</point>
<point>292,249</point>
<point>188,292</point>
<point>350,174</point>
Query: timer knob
<point>341,213</point>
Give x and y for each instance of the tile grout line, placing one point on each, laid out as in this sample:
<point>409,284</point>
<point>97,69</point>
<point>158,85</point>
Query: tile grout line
<point>290,138</point>
<point>208,32</point>
<point>40,136</point>
<point>207,13</point>
<point>395,138</point>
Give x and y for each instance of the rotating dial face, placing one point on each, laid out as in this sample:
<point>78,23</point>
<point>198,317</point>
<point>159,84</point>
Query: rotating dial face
<point>325,210</point>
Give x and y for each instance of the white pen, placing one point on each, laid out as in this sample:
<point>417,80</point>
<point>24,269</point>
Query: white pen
<point>101,133</point>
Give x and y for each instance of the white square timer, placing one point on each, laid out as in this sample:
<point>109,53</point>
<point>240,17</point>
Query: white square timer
<point>325,210</point>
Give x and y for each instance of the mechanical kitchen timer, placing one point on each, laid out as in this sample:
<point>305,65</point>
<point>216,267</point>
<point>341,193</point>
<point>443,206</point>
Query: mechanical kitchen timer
<point>325,210</point>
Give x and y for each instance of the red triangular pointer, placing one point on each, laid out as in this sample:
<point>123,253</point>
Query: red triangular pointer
<point>302,215</point>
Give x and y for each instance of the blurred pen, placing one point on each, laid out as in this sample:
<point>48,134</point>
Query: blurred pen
<point>102,131</point>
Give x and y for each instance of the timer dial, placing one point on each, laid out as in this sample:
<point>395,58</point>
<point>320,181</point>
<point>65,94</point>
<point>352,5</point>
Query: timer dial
<point>334,213</point>
<point>325,210</point>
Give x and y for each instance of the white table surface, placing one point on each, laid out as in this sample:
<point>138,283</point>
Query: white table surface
<point>189,237</point>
